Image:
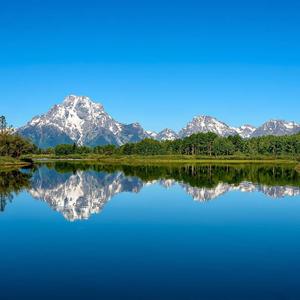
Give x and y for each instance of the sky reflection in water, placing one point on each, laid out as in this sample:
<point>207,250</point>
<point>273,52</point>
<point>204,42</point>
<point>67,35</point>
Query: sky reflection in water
<point>151,240</point>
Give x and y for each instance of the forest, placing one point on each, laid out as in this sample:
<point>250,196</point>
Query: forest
<point>200,144</point>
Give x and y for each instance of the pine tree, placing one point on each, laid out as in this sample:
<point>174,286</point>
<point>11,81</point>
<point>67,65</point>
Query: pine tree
<point>3,124</point>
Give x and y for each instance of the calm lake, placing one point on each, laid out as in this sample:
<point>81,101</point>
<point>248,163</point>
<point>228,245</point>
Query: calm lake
<point>78,231</point>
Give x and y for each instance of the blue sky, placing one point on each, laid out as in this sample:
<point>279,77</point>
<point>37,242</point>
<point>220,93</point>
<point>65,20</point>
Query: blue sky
<point>156,62</point>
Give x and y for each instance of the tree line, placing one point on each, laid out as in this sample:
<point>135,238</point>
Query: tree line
<point>206,144</point>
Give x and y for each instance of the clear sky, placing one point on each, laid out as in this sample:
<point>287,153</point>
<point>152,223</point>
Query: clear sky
<point>156,62</point>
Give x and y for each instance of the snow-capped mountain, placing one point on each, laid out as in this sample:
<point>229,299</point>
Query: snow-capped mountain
<point>277,127</point>
<point>245,131</point>
<point>80,120</point>
<point>207,124</point>
<point>167,135</point>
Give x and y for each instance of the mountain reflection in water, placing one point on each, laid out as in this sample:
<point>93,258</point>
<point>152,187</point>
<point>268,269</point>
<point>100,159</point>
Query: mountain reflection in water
<point>77,191</point>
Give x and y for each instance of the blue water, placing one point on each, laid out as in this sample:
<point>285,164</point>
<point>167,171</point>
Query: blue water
<point>154,243</point>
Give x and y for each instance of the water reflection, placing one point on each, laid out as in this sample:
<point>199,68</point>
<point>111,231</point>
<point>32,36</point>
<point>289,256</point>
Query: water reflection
<point>205,194</point>
<point>12,182</point>
<point>82,193</point>
<point>79,190</point>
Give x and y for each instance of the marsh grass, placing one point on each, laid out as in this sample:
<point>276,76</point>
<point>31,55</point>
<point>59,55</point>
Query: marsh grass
<point>7,163</point>
<point>165,159</point>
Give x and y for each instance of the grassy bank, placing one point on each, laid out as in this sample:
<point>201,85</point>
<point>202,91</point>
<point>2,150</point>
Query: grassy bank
<point>134,159</point>
<point>11,163</point>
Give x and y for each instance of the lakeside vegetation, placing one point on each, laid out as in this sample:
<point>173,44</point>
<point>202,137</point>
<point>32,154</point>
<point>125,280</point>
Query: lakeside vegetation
<point>160,159</point>
<point>10,162</point>
<point>13,146</point>
<point>200,147</point>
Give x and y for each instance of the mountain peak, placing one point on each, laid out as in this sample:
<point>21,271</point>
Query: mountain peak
<point>206,124</point>
<point>80,120</point>
<point>167,134</point>
<point>277,128</point>
<point>245,131</point>
<point>247,125</point>
<point>80,102</point>
<point>204,118</point>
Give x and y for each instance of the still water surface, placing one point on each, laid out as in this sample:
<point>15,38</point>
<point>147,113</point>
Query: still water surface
<point>75,231</point>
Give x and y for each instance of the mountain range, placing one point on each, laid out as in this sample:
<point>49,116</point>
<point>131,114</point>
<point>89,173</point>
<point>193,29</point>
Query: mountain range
<point>80,120</point>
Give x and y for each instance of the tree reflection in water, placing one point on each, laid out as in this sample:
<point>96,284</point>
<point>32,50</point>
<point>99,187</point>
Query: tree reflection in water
<point>77,190</point>
<point>12,182</point>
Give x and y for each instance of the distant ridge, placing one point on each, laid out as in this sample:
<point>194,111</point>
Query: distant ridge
<point>80,120</point>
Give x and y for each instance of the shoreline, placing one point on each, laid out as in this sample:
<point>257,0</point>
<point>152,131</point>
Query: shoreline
<point>165,159</point>
<point>12,164</point>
